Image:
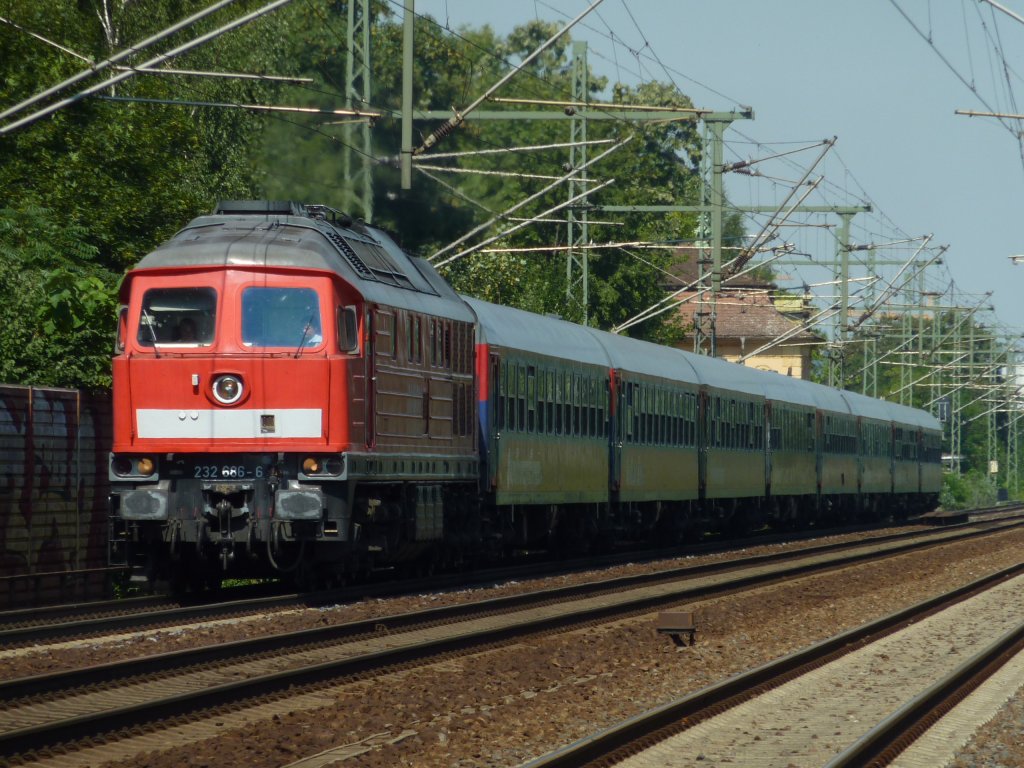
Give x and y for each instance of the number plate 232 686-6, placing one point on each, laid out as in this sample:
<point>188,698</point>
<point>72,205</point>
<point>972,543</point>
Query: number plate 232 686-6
<point>227,472</point>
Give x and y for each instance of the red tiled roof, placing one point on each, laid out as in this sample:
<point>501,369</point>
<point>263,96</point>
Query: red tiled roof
<point>744,313</point>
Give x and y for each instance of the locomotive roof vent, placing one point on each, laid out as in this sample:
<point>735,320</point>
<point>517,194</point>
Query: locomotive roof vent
<point>259,208</point>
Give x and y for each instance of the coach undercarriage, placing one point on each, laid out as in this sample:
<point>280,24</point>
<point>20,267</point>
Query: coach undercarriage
<point>238,529</point>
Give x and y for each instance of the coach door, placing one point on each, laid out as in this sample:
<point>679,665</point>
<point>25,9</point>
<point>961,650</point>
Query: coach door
<point>615,430</point>
<point>919,446</point>
<point>768,421</point>
<point>703,436</point>
<point>491,431</point>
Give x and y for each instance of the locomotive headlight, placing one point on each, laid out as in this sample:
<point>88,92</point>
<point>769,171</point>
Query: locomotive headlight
<point>310,466</point>
<point>228,389</point>
<point>145,466</point>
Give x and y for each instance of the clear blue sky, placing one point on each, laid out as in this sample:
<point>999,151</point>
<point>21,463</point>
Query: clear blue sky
<point>813,69</point>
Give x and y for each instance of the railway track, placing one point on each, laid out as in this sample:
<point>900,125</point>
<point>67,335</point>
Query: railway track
<point>819,706</point>
<point>28,627</point>
<point>136,694</point>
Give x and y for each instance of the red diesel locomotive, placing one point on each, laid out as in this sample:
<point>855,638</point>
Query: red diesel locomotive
<point>293,393</point>
<point>257,383</point>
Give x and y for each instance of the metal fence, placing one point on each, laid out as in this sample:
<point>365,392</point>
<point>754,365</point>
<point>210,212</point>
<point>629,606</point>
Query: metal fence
<point>53,495</point>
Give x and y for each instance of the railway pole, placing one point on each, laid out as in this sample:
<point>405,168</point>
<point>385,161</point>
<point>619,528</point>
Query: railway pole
<point>577,260</point>
<point>358,188</point>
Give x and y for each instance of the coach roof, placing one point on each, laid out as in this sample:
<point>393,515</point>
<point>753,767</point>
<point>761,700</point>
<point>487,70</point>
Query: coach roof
<point>516,329</point>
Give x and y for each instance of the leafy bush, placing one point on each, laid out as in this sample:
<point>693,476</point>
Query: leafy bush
<point>967,491</point>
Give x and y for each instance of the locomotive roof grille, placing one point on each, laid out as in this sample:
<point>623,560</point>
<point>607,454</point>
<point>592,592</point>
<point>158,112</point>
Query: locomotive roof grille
<point>369,260</point>
<point>259,208</point>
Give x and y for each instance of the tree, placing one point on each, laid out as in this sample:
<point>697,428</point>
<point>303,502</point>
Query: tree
<point>109,180</point>
<point>56,319</point>
<point>658,165</point>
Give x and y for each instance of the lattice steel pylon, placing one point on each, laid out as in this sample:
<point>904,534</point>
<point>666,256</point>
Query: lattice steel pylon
<point>1012,437</point>
<point>358,189</point>
<point>577,262</point>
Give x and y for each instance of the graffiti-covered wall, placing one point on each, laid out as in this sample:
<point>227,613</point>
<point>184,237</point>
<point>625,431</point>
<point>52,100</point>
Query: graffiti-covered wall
<point>53,494</point>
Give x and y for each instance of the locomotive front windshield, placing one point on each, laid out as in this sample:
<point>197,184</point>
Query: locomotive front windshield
<point>185,316</point>
<point>281,317</point>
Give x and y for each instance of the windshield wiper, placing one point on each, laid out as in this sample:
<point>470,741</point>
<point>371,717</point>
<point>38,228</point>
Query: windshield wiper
<point>305,332</point>
<point>152,331</point>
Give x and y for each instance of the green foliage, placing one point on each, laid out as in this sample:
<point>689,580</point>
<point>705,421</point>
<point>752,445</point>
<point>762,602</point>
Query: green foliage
<point>58,314</point>
<point>656,165</point>
<point>93,187</point>
<point>968,491</point>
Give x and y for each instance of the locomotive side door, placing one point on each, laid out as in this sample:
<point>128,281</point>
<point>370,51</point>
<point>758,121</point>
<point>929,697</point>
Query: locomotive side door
<point>370,400</point>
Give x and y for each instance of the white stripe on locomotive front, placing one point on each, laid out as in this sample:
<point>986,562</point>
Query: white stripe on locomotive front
<point>241,423</point>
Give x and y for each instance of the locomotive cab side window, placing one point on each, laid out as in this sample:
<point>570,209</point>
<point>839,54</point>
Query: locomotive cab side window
<point>122,330</point>
<point>281,317</point>
<point>177,316</point>
<point>348,335</point>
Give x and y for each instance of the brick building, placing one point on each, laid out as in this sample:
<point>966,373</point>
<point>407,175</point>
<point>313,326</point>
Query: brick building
<point>748,316</point>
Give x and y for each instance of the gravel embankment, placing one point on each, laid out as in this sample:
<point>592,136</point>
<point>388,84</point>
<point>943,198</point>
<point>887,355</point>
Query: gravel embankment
<point>502,707</point>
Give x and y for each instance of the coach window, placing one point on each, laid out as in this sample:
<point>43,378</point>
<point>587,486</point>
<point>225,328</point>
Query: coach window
<point>574,410</point>
<point>502,383</point>
<point>549,402</point>
<point>652,416</point>
<point>521,392</point>
<point>567,403</point>
<point>584,404</point>
<point>629,413</point>
<point>641,407</point>
<point>510,398</point>
<point>180,316</point>
<point>531,399</point>
<point>542,395</point>
<point>659,416</point>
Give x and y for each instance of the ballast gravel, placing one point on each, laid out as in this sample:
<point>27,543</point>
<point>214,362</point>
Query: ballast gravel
<point>503,707</point>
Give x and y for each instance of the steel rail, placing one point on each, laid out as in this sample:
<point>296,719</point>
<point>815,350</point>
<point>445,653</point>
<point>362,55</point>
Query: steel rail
<point>883,743</point>
<point>113,720</point>
<point>643,731</point>
<point>31,626</point>
<point>23,627</point>
<point>92,619</point>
